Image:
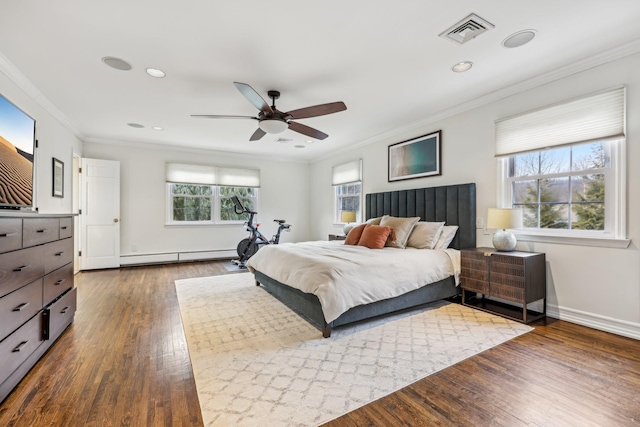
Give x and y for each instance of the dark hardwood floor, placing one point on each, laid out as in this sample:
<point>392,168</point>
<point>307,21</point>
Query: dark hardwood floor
<point>125,362</point>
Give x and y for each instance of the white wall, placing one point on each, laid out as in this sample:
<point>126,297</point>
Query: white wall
<point>283,195</point>
<point>595,286</point>
<point>55,140</point>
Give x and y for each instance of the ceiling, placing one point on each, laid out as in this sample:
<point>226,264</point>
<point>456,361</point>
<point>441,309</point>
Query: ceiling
<point>384,60</point>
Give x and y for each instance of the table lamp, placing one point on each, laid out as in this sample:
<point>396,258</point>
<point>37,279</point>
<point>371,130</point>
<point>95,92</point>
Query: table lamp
<point>347,217</point>
<point>501,219</point>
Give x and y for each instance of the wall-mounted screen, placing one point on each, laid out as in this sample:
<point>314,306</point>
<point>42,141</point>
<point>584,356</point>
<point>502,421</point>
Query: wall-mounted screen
<point>17,142</point>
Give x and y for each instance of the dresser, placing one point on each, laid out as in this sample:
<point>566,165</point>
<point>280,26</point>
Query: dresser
<point>37,294</point>
<point>515,277</point>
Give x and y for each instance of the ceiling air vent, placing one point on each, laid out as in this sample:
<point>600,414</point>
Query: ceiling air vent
<point>467,29</point>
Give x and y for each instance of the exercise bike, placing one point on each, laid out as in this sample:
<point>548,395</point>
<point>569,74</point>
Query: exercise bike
<point>249,246</point>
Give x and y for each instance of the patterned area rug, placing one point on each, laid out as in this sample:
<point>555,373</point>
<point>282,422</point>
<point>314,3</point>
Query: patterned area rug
<point>256,363</point>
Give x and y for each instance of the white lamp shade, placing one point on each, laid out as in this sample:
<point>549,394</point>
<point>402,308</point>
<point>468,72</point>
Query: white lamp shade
<point>504,218</point>
<point>273,125</point>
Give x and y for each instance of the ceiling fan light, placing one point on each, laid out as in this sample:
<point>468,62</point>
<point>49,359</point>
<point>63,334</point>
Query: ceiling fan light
<point>273,125</point>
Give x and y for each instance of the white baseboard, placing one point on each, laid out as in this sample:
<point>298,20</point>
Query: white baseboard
<point>595,321</point>
<point>143,259</point>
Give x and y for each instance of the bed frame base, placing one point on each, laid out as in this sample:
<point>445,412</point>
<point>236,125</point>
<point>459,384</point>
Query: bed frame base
<point>308,306</point>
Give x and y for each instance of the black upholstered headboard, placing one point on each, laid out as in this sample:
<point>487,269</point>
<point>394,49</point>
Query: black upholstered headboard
<point>454,204</point>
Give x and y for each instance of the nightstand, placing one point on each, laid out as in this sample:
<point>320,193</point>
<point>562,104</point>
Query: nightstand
<point>517,277</point>
<point>337,236</point>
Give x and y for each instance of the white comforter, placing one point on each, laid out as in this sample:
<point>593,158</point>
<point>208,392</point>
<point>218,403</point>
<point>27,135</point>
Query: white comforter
<point>344,276</point>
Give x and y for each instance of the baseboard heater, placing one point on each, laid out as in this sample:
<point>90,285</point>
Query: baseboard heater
<point>175,257</point>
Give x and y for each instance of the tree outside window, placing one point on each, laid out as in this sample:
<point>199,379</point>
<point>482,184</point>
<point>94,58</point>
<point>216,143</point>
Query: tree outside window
<point>562,188</point>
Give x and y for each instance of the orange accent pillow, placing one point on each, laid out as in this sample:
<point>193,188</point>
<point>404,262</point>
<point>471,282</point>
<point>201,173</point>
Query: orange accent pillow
<point>354,235</point>
<point>374,236</point>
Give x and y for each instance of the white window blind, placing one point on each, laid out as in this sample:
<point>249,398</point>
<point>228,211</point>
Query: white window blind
<point>347,173</point>
<point>211,175</point>
<point>190,174</point>
<point>592,117</point>
<point>232,177</point>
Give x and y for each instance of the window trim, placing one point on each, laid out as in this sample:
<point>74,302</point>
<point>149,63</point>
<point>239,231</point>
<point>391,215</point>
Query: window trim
<point>615,209</point>
<point>336,216</point>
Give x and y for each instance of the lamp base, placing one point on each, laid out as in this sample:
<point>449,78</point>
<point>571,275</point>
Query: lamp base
<point>347,228</point>
<point>504,241</point>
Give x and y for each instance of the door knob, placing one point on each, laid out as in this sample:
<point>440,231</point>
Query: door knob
<point>115,219</point>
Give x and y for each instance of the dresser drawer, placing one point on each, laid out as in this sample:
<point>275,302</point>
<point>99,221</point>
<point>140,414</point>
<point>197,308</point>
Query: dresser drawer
<point>57,282</point>
<point>39,230</point>
<point>57,254</point>
<point>19,306</point>
<point>19,268</point>
<point>10,234</point>
<point>474,274</point>
<point>17,347</point>
<point>60,314</point>
<point>66,227</point>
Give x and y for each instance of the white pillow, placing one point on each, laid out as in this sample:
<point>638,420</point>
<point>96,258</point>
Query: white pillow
<point>402,227</point>
<point>425,235</point>
<point>446,237</point>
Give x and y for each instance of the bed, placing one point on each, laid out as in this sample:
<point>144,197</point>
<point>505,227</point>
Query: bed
<point>453,204</point>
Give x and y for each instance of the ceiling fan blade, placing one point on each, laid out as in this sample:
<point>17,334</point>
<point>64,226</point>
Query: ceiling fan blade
<point>306,130</point>
<point>254,97</point>
<point>317,110</point>
<point>216,116</point>
<point>259,133</point>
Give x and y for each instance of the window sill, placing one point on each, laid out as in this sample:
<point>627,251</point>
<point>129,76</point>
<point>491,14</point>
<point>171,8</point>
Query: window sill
<point>202,224</point>
<point>602,242</point>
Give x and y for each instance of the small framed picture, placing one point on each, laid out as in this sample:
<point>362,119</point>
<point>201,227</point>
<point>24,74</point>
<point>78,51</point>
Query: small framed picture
<point>416,158</point>
<point>58,178</point>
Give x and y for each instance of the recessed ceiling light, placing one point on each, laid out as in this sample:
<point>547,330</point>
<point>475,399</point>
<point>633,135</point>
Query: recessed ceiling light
<point>157,128</point>
<point>463,66</point>
<point>117,63</point>
<point>519,38</point>
<point>154,72</point>
<point>309,141</point>
<point>135,125</point>
<point>299,146</point>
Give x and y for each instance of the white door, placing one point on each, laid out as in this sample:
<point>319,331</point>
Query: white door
<point>100,215</point>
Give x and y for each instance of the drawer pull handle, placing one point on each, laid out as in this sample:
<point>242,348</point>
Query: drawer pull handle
<point>64,310</point>
<point>20,346</point>
<point>64,227</point>
<point>59,253</point>
<point>41,231</point>
<point>21,306</point>
<point>20,268</point>
<point>59,282</point>
<point>6,234</point>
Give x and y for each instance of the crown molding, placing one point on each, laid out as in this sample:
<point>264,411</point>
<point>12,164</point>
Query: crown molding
<point>593,61</point>
<point>20,80</point>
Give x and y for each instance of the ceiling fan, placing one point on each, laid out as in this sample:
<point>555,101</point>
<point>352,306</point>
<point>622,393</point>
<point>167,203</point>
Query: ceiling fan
<point>272,120</point>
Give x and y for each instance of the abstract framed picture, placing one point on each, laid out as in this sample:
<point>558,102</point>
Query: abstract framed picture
<point>58,178</point>
<point>416,158</point>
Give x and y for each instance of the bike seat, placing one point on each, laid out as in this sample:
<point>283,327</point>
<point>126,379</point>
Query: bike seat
<point>280,221</point>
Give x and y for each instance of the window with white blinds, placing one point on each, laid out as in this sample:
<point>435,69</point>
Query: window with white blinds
<point>202,194</point>
<point>564,167</point>
<point>346,179</point>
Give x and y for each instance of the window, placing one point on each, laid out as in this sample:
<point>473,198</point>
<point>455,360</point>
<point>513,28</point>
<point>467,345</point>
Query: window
<point>347,182</point>
<point>200,194</point>
<point>348,197</point>
<point>564,167</point>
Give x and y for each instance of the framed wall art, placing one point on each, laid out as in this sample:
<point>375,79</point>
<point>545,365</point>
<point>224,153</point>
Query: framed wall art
<point>416,158</point>
<point>58,178</point>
